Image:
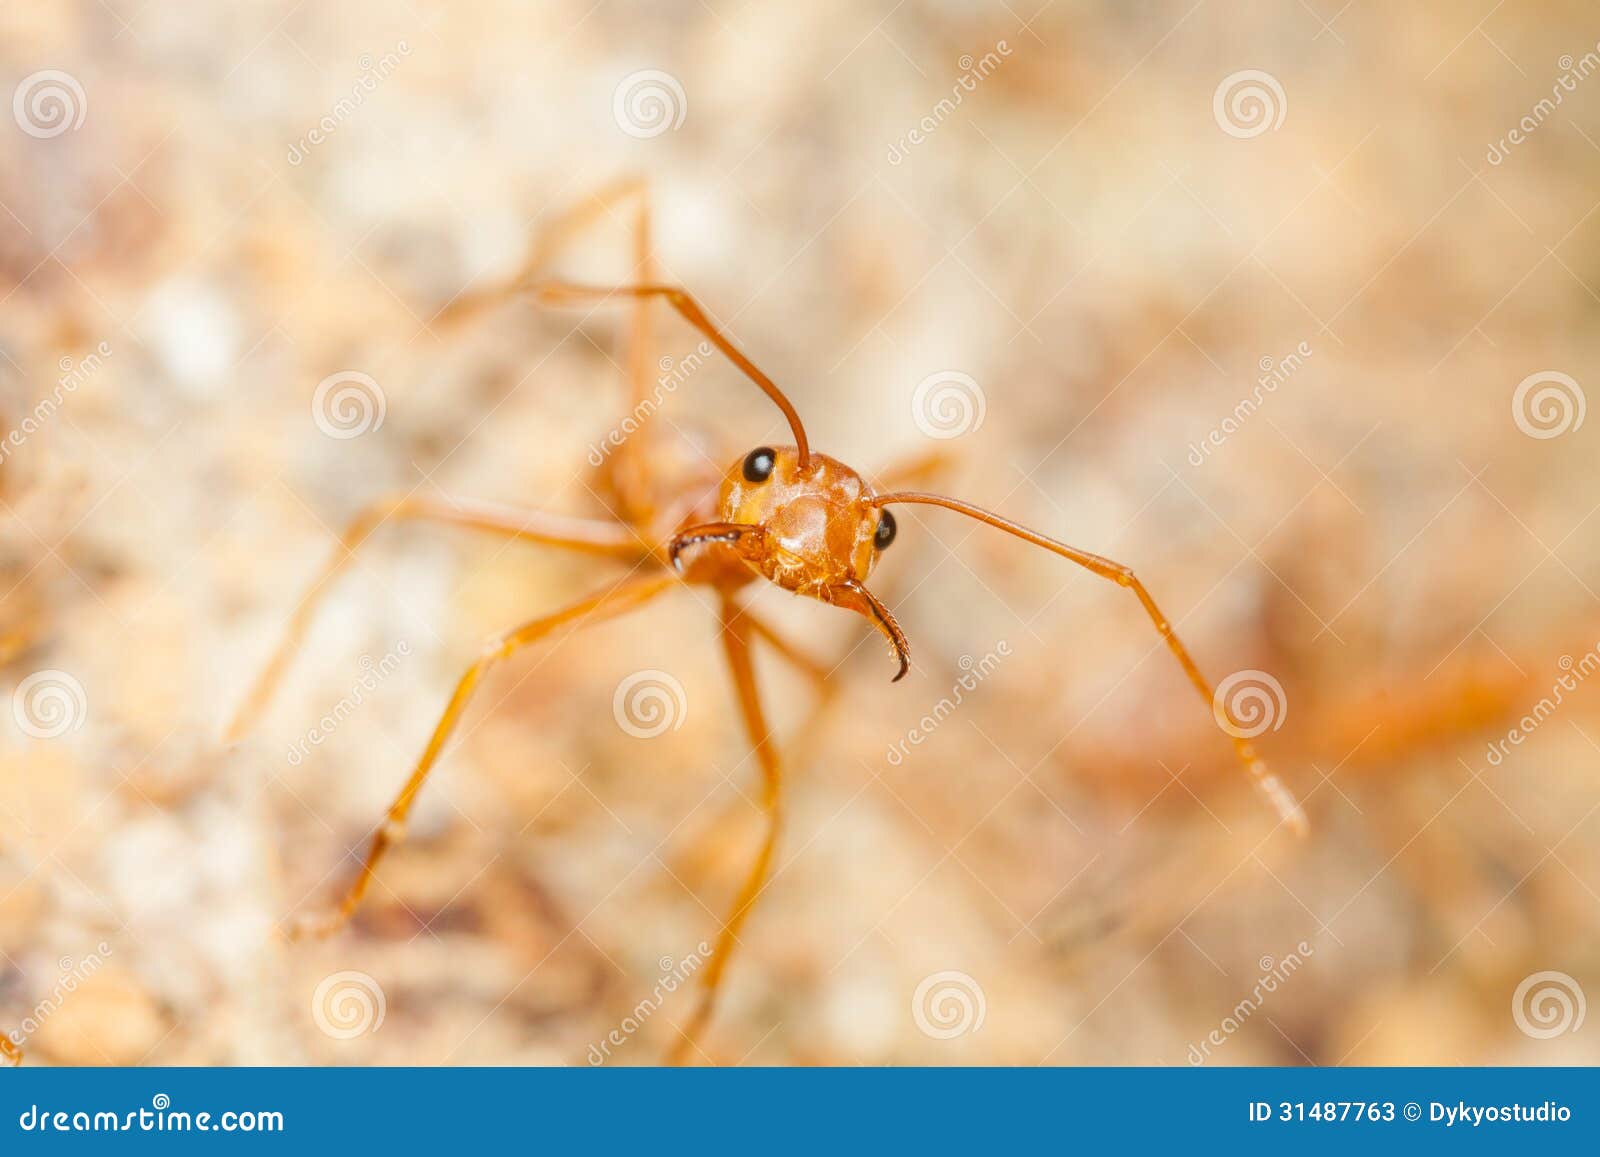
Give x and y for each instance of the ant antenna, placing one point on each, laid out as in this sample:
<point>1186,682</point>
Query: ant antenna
<point>1282,800</point>
<point>690,311</point>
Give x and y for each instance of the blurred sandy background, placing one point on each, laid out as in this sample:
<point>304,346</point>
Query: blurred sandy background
<point>1105,246</point>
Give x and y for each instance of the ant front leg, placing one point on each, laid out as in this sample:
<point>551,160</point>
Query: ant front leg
<point>577,534</point>
<point>594,609</point>
<point>736,633</point>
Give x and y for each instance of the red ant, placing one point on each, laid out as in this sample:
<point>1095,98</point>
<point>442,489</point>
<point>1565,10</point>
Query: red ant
<point>788,514</point>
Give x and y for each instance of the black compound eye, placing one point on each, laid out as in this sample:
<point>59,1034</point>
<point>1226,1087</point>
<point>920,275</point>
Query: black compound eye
<point>759,464</point>
<point>884,535</point>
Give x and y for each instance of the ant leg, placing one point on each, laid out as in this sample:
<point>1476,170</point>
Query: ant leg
<point>736,645</point>
<point>914,470</point>
<point>632,476</point>
<point>8,1050</point>
<point>545,244</point>
<point>1283,802</point>
<point>632,458</point>
<point>594,609</point>
<point>530,526</point>
<point>813,668</point>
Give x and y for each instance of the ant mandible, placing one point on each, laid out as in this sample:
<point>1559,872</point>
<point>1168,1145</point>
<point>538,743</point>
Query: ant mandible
<point>795,517</point>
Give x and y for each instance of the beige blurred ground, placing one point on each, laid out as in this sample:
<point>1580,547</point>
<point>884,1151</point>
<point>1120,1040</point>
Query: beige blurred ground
<point>1080,236</point>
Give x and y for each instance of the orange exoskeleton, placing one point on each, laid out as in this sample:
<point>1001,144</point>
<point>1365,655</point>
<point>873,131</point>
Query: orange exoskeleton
<point>799,519</point>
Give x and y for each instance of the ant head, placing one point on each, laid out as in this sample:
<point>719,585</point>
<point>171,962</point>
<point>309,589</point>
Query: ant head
<point>819,529</point>
<point>809,524</point>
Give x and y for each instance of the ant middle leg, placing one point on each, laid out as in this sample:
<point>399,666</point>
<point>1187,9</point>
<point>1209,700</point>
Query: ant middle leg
<point>585,535</point>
